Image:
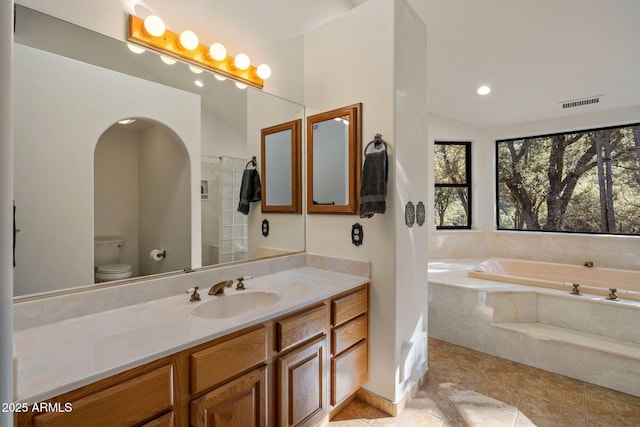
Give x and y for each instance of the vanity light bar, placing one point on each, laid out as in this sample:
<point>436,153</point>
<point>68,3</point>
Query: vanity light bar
<point>169,44</point>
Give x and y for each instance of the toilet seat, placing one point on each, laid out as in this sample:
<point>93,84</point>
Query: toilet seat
<point>108,272</point>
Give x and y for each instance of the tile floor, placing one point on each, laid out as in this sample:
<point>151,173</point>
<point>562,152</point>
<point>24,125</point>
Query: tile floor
<point>466,388</point>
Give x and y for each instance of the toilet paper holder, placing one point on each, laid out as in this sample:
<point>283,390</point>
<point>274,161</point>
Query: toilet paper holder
<point>158,255</point>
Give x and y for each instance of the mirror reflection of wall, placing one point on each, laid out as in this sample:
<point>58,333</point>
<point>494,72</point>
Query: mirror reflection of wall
<point>141,176</point>
<point>277,154</point>
<point>331,157</point>
<point>210,217</point>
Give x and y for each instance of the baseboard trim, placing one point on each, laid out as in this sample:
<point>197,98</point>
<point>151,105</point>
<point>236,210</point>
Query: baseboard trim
<point>387,406</point>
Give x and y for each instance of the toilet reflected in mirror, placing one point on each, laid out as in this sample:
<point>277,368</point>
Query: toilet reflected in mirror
<point>141,195</point>
<point>106,259</point>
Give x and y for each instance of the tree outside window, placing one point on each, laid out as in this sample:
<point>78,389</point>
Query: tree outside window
<point>584,181</point>
<point>452,174</point>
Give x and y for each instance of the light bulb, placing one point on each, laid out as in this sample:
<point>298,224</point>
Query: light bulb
<point>217,51</point>
<point>195,70</point>
<point>188,40</point>
<point>154,26</point>
<point>264,71</point>
<point>136,49</point>
<point>198,83</point>
<point>167,60</point>
<point>483,90</point>
<point>241,85</point>
<point>219,77</point>
<point>241,61</point>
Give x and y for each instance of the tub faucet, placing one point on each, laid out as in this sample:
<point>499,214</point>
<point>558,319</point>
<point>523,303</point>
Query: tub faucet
<point>218,288</point>
<point>588,264</point>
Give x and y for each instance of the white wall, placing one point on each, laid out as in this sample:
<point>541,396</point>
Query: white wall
<point>219,139</point>
<point>364,74</point>
<point>117,191</point>
<point>73,104</point>
<point>164,202</point>
<point>392,89</point>
<point>6,208</point>
<point>411,143</point>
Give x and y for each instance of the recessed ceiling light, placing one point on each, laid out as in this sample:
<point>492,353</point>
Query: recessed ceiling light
<point>126,121</point>
<point>198,83</point>
<point>483,90</point>
<point>195,70</point>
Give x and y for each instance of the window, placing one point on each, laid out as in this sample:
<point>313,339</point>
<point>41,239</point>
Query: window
<point>452,164</point>
<point>585,181</point>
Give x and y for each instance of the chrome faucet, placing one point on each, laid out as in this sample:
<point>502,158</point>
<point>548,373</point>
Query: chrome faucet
<point>218,288</point>
<point>588,264</point>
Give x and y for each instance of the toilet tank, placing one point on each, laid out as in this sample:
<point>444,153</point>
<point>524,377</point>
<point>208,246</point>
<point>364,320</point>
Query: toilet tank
<point>107,250</point>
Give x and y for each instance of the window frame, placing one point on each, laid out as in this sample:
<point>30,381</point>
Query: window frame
<point>467,184</point>
<point>546,135</point>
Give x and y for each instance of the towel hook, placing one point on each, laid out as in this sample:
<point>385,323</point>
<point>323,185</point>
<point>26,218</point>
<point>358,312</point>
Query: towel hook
<point>253,162</point>
<point>377,142</point>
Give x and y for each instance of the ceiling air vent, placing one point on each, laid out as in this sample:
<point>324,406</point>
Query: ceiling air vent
<point>580,102</point>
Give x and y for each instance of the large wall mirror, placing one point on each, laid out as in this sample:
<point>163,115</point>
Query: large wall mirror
<point>281,168</point>
<point>334,143</point>
<point>89,115</point>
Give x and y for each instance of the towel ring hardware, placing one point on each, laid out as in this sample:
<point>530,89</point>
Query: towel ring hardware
<point>377,142</point>
<point>253,162</point>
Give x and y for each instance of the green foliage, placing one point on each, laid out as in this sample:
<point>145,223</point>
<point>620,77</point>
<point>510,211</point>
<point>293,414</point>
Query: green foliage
<point>451,194</point>
<point>581,182</point>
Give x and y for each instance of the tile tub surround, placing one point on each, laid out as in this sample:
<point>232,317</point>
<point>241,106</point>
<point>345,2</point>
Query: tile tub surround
<point>585,337</point>
<point>466,388</point>
<point>31,312</point>
<point>58,357</point>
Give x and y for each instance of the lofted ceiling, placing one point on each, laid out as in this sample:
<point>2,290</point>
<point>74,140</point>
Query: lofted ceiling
<point>533,53</point>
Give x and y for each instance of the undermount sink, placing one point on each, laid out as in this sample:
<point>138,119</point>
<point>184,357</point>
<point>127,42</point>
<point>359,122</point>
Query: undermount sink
<point>234,305</point>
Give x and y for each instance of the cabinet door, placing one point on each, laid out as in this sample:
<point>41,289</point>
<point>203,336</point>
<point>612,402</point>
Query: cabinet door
<point>302,385</point>
<point>239,403</point>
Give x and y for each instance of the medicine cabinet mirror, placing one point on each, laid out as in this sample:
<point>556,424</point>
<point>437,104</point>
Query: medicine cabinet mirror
<point>280,149</point>
<point>334,141</point>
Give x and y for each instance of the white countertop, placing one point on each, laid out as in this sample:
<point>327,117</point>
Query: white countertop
<point>62,356</point>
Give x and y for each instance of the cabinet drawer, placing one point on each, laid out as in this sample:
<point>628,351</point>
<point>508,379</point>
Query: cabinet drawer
<point>347,334</point>
<point>128,403</point>
<point>348,307</point>
<point>221,361</point>
<point>299,328</point>
<point>348,372</point>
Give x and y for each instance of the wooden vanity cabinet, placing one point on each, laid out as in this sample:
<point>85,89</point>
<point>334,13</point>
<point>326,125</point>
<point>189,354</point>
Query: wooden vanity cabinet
<point>349,344</point>
<point>301,368</point>
<point>288,371</point>
<point>141,396</point>
<point>232,373</point>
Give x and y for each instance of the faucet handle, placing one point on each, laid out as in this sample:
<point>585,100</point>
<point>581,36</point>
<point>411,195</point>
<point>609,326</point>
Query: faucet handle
<point>240,284</point>
<point>195,296</point>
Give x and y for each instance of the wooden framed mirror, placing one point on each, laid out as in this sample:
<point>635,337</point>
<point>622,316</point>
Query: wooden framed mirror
<point>334,141</point>
<point>280,154</point>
